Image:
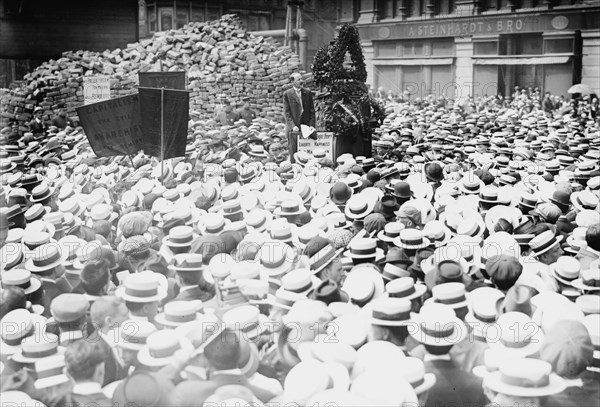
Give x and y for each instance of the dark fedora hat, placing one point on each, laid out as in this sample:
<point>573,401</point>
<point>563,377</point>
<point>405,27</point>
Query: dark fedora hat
<point>434,171</point>
<point>389,204</point>
<point>329,291</point>
<point>402,190</point>
<point>561,199</point>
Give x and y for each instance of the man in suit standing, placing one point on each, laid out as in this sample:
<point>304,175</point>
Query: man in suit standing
<point>298,109</point>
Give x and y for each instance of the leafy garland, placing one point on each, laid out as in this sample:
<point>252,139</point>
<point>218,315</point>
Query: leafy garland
<point>346,85</point>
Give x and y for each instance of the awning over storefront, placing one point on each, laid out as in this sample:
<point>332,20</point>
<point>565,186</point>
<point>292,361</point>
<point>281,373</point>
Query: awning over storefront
<point>541,60</point>
<point>414,61</point>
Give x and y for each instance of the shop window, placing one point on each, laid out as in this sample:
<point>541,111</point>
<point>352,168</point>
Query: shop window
<point>412,49</point>
<point>558,46</point>
<point>442,47</point>
<point>530,44</point>
<point>387,49</point>
<point>485,48</point>
<point>182,17</point>
<point>151,18</point>
<point>165,18</point>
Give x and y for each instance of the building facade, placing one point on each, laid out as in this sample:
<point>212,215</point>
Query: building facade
<point>470,48</point>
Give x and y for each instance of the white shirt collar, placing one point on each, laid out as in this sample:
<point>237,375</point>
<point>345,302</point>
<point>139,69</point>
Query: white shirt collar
<point>86,388</point>
<point>187,288</point>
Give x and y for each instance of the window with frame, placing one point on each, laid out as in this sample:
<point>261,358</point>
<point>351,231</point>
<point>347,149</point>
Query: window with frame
<point>182,16</point>
<point>151,18</point>
<point>558,45</point>
<point>387,49</point>
<point>413,49</point>
<point>528,44</point>
<point>387,8</point>
<point>485,48</point>
<point>442,47</point>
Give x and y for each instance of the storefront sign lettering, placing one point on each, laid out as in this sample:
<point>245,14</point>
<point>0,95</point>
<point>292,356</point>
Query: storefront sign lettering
<point>466,28</point>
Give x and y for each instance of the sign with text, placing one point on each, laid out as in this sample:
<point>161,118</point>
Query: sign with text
<point>324,140</point>
<point>463,26</point>
<point>96,89</point>
<point>166,110</point>
<point>167,80</point>
<point>113,127</point>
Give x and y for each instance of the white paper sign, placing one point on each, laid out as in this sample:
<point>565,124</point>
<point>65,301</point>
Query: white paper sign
<point>306,130</point>
<point>96,89</point>
<point>324,140</point>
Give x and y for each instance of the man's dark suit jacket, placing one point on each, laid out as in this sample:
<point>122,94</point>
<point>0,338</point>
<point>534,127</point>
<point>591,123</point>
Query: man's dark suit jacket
<point>297,114</point>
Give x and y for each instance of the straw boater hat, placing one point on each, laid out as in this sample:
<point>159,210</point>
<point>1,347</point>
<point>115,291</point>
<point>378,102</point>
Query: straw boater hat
<point>134,334</point>
<point>247,320</point>
<point>413,371</point>
<point>525,377</point>
<point>522,342</point>
<point>411,239</point>
<point>161,347</point>
<point>363,284</point>
<point>390,231</point>
<point>276,259</point>
<point>405,288</point>
<point>544,242</point>
<point>146,286</point>
<point>45,257</point>
<point>390,311</point>
<point>320,253</point>
<point>437,325</point>
<point>177,313</point>
<point>34,349</point>
<point>565,270</point>
<point>21,278</point>
<point>49,371</point>
<point>483,310</point>
<point>17,325</point>
<point>180,237</point>
<point>364,248</point>
<point>358,207</point>
<point>589,279</point>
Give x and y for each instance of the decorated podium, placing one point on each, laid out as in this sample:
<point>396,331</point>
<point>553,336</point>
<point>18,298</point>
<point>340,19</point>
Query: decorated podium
<point>346,115</point>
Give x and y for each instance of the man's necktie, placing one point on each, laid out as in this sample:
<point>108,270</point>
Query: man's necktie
<point>299,94</point>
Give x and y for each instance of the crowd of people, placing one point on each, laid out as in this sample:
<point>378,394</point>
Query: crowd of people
<point>459,265</point>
